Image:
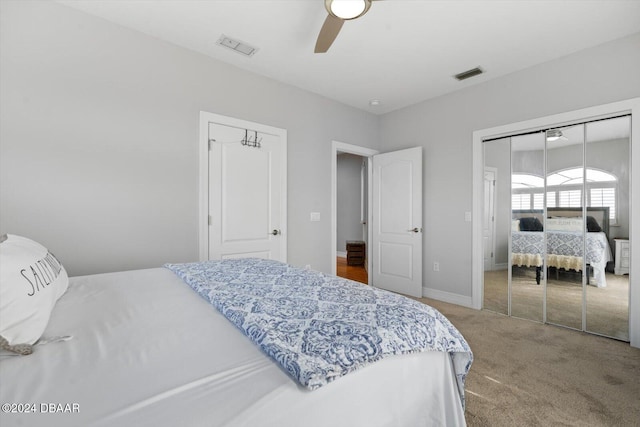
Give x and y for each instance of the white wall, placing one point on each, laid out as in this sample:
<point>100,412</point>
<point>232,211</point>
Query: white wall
<point>99,129</point>
<point>99,138</point>
<point>607,73</point>
<point>349,167</point>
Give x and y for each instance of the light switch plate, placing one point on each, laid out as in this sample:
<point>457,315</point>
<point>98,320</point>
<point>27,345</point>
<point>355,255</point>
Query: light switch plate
<point>315,216</point>
<point>467,216</point>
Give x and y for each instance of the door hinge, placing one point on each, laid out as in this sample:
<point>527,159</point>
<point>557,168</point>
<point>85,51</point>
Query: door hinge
<point>209,219</point>
<point>210,141</point>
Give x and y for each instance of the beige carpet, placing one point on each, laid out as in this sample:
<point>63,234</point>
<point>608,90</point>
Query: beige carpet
<point>529,374</point>
<point>607,308</point>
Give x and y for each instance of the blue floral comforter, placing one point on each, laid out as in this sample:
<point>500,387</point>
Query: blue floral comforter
<point>321,327</point>
<point>567,243</point>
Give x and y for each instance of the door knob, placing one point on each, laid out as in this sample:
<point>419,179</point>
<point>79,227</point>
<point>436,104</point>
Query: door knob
<point>275,232</point>
<point>416,230</point>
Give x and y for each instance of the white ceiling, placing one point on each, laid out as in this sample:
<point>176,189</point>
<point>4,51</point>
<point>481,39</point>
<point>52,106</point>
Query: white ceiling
<point>401,52</point>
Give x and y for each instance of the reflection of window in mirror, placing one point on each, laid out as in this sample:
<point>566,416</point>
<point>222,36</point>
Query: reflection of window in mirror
<point>564,189</point>
<point>528,191</point>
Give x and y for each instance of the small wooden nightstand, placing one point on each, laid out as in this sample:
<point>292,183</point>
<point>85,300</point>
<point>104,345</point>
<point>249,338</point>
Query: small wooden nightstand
<point>622,257</point>
<point>355,252</point>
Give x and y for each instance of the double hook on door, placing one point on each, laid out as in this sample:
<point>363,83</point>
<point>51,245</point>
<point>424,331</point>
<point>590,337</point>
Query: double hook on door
<point>247,141</point>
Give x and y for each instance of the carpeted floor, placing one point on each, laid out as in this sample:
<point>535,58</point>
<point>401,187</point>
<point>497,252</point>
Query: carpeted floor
<point>607,308</point>
<point>529,374</point>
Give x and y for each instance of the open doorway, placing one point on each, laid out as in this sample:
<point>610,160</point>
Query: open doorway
<point>355,168</point>
<point>393,258</point>
<point>351,217</point>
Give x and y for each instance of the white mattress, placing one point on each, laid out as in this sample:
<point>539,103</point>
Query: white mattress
<point>148,351</point>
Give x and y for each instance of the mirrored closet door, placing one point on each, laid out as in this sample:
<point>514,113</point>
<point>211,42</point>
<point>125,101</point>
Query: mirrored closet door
<point>527,218</point>
<point>556,226</point>
<point>607,187</point>
<point>496,224</point>
<point>564,229</point>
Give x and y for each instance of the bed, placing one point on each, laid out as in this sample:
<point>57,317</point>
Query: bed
<point>142,348</point>
<point>568,246</point>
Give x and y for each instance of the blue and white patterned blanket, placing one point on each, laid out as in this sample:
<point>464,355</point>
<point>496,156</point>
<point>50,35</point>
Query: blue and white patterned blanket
<point>565,243</point>
<point>321,327</point>
<point>564,250</point>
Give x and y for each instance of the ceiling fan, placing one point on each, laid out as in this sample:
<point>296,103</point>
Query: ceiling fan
<point>339,11</point>
<point>555,135</point>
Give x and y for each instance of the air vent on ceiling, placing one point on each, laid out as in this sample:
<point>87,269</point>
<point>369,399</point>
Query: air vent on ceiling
<point>469,73</point>
<point>236,46</point>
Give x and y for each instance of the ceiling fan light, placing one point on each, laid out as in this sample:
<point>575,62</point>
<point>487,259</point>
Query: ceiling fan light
<point>347,9</point>
<point>554,135</point>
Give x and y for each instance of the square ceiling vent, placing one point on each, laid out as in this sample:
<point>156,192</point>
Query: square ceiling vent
<point>237,46</point>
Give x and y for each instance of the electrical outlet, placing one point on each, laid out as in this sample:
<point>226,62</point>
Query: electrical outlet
<point>307,267</point>
<point>436,266</point>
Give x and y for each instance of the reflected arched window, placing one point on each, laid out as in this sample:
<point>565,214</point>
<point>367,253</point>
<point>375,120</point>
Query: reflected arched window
<point>564,189</point>
<point>527,191</point>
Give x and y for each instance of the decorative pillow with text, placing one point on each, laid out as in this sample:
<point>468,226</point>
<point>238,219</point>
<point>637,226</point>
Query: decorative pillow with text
<point>31,281</point>
<point>565,224</point>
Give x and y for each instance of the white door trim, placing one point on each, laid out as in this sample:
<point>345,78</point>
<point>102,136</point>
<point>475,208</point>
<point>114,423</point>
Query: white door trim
<point>203,176</point>
<point>336,148</point>
<point>558,120</point>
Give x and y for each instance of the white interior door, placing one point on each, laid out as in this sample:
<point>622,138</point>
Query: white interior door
<point>397,221</point>
<point>488,218</point>
<point>247,192</point>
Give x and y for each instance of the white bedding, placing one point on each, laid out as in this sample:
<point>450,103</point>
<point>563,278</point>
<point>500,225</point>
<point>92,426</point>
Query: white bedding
<point>147,350</point>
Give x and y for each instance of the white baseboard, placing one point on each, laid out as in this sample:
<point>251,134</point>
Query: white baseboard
<point>341,254</point>
<point>447,297</point>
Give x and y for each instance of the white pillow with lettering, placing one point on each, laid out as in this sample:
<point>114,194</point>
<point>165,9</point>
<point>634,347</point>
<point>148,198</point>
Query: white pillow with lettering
<point>31,281</point>
<point>565,224</point>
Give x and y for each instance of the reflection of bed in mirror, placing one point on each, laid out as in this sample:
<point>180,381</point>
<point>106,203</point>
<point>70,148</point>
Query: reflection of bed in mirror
<point>564,239</point>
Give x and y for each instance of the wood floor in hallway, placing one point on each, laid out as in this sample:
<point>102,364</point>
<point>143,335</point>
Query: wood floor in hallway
<point>353,272</point>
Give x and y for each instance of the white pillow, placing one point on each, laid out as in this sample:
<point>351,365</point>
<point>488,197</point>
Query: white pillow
<point>31,281</point>
<point>515,225</point>
<point>565,224</point>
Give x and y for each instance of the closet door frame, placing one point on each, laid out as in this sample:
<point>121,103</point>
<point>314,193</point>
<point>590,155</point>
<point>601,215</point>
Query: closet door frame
<point>630,106</point>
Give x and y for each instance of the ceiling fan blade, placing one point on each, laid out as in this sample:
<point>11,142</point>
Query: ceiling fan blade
<point>328,33</point>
